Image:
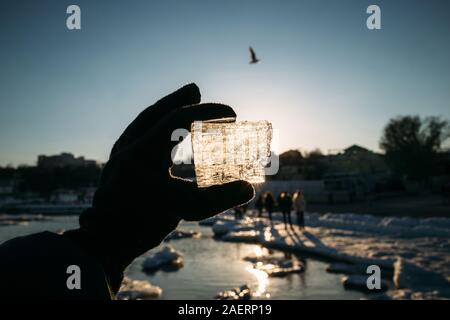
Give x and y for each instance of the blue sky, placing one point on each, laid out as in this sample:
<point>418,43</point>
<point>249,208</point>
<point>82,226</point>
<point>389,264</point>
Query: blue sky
<point>325,80</point>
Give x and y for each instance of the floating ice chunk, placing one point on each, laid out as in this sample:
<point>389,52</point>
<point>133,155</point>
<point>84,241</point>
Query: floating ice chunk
<point>225,216</point>
<point>357,268</point>
<point>359,282</point>
<point>241,293</point>
<point>407,294</point>
<point>137,290</point>
<point>274,266</point>
<point>208,221</point>
<point>280,267</point>
<point>408,275</point>
<point>242,236</point>
<point>229,151</point>
<point>167,257</point>
<point>222,227</point>
<point>181,234</point>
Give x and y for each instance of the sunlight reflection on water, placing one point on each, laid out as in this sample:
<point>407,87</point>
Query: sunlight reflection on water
<point>262,279</point>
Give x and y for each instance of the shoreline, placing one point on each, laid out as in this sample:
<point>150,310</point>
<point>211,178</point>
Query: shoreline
<point>351,243</point>
<point>402,206</point>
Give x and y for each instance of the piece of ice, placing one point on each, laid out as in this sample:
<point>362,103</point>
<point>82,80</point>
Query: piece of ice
<point>229,151</point>
<point>240,293</point>
<point>359,282</point>
<point>181,234</point>
<point>137,290</point>
<point>165,257</point>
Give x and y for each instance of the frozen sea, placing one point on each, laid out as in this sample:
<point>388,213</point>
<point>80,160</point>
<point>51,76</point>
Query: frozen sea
<point>211,266</point>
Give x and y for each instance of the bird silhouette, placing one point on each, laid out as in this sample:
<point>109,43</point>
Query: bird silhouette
<point>253,58</point>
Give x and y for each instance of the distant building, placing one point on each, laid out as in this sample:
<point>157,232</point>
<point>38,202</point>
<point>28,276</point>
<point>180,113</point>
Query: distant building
<point>64,160</point>
<point>346,175</point>
<point>7,186</point>
<point>354,172</point>
<point>291,164</point>
<point>357,160</point>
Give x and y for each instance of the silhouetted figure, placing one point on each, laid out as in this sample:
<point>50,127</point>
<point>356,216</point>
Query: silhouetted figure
<point>259,204</point>
<point>244,209</point>
<point>253,58</point>
<point>299,207</point>
<point>285,205</point>
<point>269,204</point>
<point>238,215</point>
<point>289,207</point>
<point>122,223</point>
<point>280,199</point>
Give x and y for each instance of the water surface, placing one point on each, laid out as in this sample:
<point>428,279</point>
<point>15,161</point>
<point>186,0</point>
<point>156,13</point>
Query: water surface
<point>211,266</point>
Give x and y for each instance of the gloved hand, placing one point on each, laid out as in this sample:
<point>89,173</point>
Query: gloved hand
<point>138,202</point>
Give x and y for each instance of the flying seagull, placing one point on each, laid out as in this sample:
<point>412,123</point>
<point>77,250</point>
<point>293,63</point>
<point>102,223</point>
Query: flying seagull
<point>253,58</point>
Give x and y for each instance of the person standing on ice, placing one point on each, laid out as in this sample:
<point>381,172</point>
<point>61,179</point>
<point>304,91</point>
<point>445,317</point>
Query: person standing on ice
<point>299,207</point>
<point>269,203</point>
<point>238,213</point>
<point>244,208</point>
<point>280,201</point>
<point>285,204</point>
<point>259,204</point>
<point>288,209</point>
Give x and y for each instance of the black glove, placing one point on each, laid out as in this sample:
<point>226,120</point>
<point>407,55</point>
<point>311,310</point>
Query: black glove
<point>138,202</point>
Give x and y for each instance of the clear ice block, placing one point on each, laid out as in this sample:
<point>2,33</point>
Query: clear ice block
<point>229,151</point>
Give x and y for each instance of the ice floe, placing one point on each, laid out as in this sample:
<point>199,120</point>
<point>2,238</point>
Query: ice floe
<point>137,290</point>
<point>275,266</point>
<point>280,268</point>
<point>408,294</point>
<point>408,275</point>
<point>240,293</point>
<point>359,282</point>
<point>241,236</point>
<point>181,234</point>
<point>220,217</point>
<point>166,258</point>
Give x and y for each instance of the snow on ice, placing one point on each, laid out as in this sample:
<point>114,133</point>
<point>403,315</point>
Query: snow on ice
<point>138,290</point>
<point>165,258</point>
<point>413,254</point>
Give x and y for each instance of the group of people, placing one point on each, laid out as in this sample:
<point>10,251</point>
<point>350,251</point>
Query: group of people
<point>285,202</point>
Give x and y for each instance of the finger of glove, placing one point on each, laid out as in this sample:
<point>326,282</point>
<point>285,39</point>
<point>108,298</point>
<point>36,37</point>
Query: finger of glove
<point>181,118</point>
<point>184,117</point>
<point>185,96</point>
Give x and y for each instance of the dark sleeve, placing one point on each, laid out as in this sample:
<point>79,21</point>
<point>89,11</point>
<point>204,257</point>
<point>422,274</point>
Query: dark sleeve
<point>36,267</point>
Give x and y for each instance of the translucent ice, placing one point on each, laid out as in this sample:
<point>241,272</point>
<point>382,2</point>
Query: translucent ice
<point>229,151</point>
